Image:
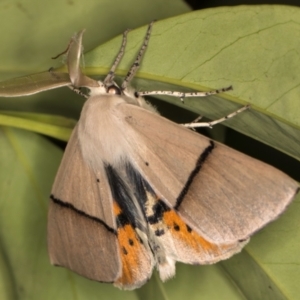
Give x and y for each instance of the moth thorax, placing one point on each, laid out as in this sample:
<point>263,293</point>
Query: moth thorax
<point>100,130</point>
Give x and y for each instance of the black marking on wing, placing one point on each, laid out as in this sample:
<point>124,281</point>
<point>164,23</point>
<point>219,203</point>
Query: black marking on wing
<point>122,220</point>
<point>202,158</point>
<point>159,232</point>
<point>158,210</point>
<point>81,213</point>
<point>176,226</point>
<point>131,184</point>
<point>138,184</point>
<point>141,186</point>
<point>122,194</point>
<point>188,228</point>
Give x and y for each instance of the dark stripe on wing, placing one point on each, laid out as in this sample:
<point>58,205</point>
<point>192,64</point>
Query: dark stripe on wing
<point>82,213</point>
<point>124,192</point>
<point>141,186</point>
<point>122,220</point>
<point>202,158</point>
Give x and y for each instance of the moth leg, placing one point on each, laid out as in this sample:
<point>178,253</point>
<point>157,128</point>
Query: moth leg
<point>182,95</point>
<point>111,74</point>
<point>196,124</point>
<point>78,91</point>
<point>138,59</point>
<point>195,121</point>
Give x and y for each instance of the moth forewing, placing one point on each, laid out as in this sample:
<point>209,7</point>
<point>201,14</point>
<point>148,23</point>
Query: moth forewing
<point>76,228</point>
<point>225,195</point>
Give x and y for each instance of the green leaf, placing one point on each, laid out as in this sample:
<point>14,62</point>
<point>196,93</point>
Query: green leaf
<point>270,265</point>
<point>51,125</point>
<point>33,31</point>
<point>210,55</point>
<point>253,48</point>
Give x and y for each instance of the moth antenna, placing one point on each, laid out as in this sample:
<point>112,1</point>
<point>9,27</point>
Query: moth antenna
<point>138,59</point>
<point>111,74</point>
<point>196,124</point>
<point>182,95</point>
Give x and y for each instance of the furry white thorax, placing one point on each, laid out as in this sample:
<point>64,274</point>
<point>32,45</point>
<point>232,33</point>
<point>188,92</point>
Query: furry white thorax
<point>101,127</point>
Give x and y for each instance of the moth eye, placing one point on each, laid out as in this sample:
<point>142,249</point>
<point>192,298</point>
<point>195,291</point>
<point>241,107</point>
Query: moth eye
<point>114,90</point>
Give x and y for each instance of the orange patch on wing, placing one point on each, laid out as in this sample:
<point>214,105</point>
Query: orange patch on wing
<point>133,254</point>
<point>188,236</point>
<point>116,208</point>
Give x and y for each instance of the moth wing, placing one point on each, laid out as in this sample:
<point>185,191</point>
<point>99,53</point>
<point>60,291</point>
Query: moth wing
<point>179,240</point>
<point>82,231</point>
<point>81,225</point>
<point>221,193</point>
<point>188,246</point>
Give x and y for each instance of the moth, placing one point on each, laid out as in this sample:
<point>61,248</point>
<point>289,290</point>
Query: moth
<point>136,191</point>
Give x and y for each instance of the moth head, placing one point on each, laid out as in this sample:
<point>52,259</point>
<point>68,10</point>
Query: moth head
<point>114,90</point>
